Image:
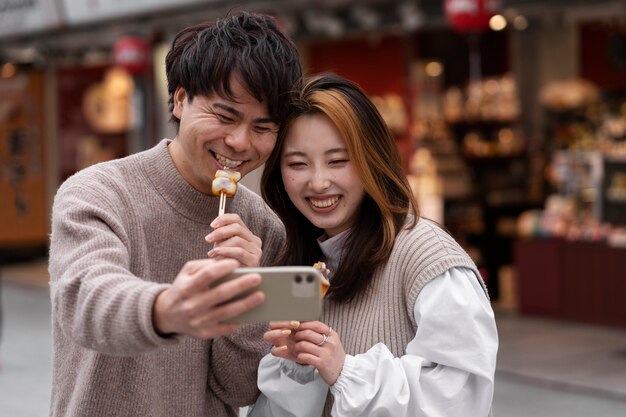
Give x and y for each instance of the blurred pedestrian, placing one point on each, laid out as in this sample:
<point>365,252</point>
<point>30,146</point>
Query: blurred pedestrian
<point>407,328</point>
<point>137,326</point>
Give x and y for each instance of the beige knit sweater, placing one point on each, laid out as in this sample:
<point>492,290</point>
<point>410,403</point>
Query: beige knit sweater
<point>121,231</point>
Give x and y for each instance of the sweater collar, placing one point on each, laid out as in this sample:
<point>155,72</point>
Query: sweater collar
<point>174,189</point>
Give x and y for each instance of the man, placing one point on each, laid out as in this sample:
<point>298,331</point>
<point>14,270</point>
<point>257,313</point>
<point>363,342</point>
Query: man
<point>137,323</point>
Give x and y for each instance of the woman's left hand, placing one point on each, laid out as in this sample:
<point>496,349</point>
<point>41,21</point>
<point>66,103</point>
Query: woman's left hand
<point>231,238</point>
<point>318,345</point>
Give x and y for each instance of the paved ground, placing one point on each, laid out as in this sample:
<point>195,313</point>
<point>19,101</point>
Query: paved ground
<point>545,368</point>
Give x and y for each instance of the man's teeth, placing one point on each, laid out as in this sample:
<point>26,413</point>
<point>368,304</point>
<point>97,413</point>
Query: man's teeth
<point>327,202</point>
<point>227,163</point>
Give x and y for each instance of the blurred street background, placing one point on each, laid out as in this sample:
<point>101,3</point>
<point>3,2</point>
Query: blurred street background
<point>510,116</point>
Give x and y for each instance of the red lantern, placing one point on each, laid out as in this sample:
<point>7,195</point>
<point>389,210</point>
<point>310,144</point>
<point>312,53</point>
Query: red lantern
<point>471,15</point>
<point>133,54</point>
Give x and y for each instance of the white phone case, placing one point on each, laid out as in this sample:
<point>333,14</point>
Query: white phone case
<point>291,293</point>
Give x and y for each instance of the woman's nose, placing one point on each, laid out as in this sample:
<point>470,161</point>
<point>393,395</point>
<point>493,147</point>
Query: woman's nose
<point>320,181</point>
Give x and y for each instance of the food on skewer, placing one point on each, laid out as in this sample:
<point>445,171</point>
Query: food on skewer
<point>225,185</point>
<point>325,283</point>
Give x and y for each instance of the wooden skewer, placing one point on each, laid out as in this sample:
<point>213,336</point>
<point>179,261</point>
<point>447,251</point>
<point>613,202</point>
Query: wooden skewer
<point>222,204</point>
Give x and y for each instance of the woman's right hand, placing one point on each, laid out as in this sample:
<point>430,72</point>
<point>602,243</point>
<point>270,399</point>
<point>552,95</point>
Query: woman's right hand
<point>313,343</point>
<point>281,336</point>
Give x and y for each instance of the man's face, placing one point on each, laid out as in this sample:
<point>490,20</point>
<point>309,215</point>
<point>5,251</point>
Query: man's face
<point>218,133</point>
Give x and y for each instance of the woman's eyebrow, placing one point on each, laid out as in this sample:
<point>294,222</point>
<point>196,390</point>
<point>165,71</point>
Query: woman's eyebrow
<point>294,153</point>
<point>336,150</point>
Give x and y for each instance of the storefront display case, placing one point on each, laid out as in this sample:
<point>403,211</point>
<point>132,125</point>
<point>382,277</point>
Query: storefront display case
<point>572,280</point>
<point>613,190</point>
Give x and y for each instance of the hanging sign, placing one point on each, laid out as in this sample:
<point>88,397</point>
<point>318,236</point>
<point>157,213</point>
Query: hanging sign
<point>133,54</point>
<point>83,11</point>
<point>471,15</point>
<point>18,17</point>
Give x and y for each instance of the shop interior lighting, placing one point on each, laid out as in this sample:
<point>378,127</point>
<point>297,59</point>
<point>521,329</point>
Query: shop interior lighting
<point>497,22</point>
<point>323,23</point>
<point>410,16</point>
<point>365,17</point>
<point>8,70</point>
<point>520,22</point>
<point>433,69</point>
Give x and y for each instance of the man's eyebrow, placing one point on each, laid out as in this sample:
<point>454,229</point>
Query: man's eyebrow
<point>229,109</point>
<point>240,115</point>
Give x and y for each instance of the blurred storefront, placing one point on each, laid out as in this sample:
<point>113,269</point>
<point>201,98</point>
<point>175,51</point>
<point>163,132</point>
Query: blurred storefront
<point>512,130</point>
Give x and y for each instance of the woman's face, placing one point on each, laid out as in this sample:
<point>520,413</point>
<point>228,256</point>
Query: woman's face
<point>319,177</point>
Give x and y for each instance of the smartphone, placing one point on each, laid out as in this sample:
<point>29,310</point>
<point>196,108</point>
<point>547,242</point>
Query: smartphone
<point>291,293</point>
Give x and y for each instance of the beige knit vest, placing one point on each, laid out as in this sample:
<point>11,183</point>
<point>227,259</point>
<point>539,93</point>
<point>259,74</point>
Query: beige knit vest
<point>384,312</point>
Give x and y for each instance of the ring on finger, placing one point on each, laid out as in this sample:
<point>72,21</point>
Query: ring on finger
<point>324,339</point>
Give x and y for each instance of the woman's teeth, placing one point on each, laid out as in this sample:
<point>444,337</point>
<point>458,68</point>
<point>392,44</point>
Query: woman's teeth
<point>227,163</point>
<point>327,202</point>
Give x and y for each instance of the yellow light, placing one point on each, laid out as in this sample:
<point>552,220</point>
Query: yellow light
<point>433,69</point>
<point>8,70</point>
<point>497,22</point>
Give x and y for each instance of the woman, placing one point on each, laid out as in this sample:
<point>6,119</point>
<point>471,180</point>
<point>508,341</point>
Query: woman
<point>407,328</point>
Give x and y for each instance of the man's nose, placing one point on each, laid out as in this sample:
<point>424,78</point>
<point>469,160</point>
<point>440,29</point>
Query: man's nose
<point>239,138</point>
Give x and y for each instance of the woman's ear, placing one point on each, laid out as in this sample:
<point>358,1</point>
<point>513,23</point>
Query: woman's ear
<point>180,97</point>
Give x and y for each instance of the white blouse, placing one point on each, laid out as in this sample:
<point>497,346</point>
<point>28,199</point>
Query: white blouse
<point>448,369</point>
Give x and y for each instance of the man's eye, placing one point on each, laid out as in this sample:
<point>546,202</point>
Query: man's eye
<point>224,118</point>
<point>265,129</point>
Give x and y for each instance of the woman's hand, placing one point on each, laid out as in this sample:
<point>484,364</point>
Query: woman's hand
<point>231,238</point>
<point>310,343</point>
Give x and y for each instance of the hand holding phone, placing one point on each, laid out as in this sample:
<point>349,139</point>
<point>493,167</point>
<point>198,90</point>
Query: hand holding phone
<point>291,293</point>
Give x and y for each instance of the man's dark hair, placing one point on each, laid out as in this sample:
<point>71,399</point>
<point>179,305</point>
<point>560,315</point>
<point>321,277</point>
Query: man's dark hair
<point>203,58</point>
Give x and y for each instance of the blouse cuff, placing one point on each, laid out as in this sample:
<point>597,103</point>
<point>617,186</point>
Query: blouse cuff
<point>348,373</point>
<point>302,374</point>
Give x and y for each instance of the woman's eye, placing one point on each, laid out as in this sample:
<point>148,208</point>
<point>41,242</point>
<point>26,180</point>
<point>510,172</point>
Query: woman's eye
<point>295,164</point>
<point>339,161</point>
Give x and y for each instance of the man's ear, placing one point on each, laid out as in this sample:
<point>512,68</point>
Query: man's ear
<point>180,97</point>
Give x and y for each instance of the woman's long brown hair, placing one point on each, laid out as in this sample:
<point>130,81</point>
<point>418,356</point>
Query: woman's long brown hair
<point>372,150</point>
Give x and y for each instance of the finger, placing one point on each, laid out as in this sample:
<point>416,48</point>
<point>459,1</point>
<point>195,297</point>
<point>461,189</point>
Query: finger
<point>206,271</point>
<point>293,324</point>
<point>229,230</point>
<point>282,324</point>
<point>277,337</point>
<point>281,351</point>
<point>226,218</point>
<point>191,267</point>
<point>234,288</point>
<point>244,257</point>
<point>310,336</point>
<point>316,326</point>
<point>234,308</point>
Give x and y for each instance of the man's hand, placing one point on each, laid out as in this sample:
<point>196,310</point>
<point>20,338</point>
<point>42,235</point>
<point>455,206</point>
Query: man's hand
<point>191,307</point>
<point>231,238</point>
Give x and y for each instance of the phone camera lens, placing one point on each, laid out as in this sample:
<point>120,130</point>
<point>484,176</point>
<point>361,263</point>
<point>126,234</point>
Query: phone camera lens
<point>309,279</point>
<point>298,279</point>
